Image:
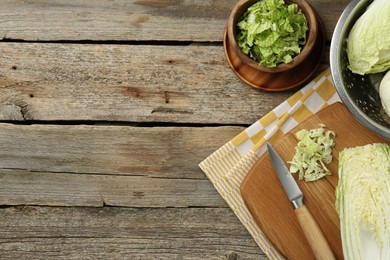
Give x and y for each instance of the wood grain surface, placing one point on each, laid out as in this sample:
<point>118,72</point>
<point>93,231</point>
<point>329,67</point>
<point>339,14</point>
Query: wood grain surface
<point>122,20</point>
<point>268,203</point>
<point>31,232</point>
<point>108,165</point>
<point>106,109</point>
<point>136,83</point>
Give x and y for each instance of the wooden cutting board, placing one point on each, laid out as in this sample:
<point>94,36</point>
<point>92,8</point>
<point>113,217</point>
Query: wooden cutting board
<point>266,200</point>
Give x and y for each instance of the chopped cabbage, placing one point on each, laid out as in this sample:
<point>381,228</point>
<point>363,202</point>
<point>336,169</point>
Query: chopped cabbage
<point>363,201</point>
<point>368,45</point>
<point>312,153</point>
<point>272,32</point>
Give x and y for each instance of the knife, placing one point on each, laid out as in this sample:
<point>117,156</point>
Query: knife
<point>310,228</point>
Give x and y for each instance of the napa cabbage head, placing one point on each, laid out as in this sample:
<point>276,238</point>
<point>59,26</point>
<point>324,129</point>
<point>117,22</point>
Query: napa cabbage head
<point>384,92</point>
<point>363,201</point>
<point>368,46</point>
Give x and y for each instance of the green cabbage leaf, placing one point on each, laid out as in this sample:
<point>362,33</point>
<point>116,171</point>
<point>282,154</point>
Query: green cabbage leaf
<point>368,46</point>
<point>271,32</point>
<point>363,201</point>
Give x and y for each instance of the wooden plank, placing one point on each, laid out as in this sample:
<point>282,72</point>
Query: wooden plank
<point>122,20</point>
<point>161,152</point>
<point>178,84</point>
<point>112,233</point>
<point>21,187</point>
<point>329,12</point>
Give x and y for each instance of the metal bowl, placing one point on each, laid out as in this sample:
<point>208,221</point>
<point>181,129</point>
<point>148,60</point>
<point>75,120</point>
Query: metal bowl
<point>359,93</point>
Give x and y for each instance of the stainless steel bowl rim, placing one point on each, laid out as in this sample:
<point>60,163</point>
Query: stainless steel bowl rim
<point>338,34</point>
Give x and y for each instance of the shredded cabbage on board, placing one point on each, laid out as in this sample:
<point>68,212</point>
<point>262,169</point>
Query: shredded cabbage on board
<point>312,153</point>
<point>272,32</point>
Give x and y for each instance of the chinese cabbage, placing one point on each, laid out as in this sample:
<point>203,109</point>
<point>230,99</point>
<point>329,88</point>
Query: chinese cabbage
<point>368,45</point>
<point>384,92</point>
<point>363,201</point>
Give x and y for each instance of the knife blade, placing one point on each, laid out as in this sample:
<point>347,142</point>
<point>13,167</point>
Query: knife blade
<point>310,228</point>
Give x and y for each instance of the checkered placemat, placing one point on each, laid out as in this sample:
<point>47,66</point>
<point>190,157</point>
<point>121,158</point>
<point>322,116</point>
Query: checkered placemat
<point>227,167</point>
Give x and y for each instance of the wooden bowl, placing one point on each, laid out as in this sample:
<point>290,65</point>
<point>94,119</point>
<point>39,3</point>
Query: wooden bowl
<point>312,33</point>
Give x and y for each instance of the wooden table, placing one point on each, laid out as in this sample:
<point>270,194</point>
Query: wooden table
<point>107,107</point>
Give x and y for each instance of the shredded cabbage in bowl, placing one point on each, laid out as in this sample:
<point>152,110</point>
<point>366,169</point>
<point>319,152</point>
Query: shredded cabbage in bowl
<point>271,32</point>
